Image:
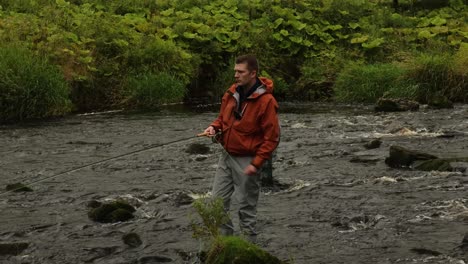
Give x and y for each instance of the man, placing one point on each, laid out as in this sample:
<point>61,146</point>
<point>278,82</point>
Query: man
<point>249,129</point>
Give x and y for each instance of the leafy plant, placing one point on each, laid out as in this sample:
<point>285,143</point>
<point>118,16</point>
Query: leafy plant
<point>367,83</point>
<point>212,214</point>
<point>30,87</point>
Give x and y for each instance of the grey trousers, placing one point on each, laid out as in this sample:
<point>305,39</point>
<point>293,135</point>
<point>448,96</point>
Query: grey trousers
<point>230,179</point>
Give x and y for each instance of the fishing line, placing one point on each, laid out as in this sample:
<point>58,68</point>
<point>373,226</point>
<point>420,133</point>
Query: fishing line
<point>102,161</point>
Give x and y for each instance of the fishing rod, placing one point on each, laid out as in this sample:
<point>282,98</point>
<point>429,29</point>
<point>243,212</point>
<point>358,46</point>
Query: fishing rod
<point>105,160</point>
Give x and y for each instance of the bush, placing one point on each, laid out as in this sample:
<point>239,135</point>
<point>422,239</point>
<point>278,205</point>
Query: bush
<point>149,90</point>
<point>367,83</point>
<point>30,87</point>
<point>440,77</point>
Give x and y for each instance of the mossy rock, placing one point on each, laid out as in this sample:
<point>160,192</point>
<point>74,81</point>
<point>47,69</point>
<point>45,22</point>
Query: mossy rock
<point>232,249</point>
<point>395,105</point>
<point>440,103</point>
<point>18,187</point>
<point>433,165</point>
<point>117,211</point>
<point>402,157</point>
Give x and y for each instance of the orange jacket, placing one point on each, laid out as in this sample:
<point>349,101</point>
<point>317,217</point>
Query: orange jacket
<point>257,132</point>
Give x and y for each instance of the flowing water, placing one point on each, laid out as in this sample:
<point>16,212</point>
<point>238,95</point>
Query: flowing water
<point>335,202</point>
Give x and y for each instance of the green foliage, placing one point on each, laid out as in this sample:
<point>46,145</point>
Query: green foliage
<point>149,90</point>
<point>440,77</point>
<point>233,249</point>
<point>30,87</point>
<point>96,43</point>
<point>367,83</point>
<point>212,214</point>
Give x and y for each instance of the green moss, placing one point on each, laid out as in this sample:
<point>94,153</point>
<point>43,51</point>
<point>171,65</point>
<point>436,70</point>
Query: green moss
<point>434,165</point>
<point>232,249</point>
<point>18,187</point>
<point>116,211</point>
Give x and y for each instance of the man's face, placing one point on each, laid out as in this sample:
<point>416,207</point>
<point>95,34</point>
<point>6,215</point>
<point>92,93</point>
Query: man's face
<point>243,75</point>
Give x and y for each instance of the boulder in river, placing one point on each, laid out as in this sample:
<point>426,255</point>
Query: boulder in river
<point>12,249</point>
<point>116,211</point>
<point>233,249</point>
<point>395,105</point>
<point>401,157</point>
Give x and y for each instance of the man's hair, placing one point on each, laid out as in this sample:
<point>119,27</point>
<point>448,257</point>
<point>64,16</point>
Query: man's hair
<point>250,59</point>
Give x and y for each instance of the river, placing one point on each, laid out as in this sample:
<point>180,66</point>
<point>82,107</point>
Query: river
<point>335,202</point>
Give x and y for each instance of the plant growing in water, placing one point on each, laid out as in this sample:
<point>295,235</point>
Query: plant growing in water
<point>224,249</point>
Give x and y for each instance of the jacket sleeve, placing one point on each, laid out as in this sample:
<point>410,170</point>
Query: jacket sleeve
<point>271,134</point>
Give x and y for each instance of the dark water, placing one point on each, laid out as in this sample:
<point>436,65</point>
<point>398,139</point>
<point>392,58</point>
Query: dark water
<point>341,203</point>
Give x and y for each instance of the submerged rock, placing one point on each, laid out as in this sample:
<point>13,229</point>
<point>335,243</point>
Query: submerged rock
<point>12,249</point>
<point>197,148</point>
<point>401,157</point>
<point>433,165</point>
<point>132,240</point>
<point>232,249</point>
<point>395,105</point>
<point>116,211</point>
<point>373,144</point>
<point>18,187</point>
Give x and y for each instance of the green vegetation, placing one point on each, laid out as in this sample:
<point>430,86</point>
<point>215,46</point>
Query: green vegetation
<point>104,47</point>
<point>224,249</point>
<point>30,87</point>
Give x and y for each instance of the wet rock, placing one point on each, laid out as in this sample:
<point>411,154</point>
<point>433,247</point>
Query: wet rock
<point>424,251</point>
<point>116,211</point>
<point>200,157</point>
<point>233,249</point>
<point>433,165</point>
<point>459,166</point>
<point>183,198</point>
<point>18,187</point>
<point>364,159</point>
<point>154,259</point>
<point>373,144</point>
<point>132,239</point>
<point>395,105</point>
<point>440,102</point>
<point>197,148</point>
<point>402,157</point>
<point>12,249</point>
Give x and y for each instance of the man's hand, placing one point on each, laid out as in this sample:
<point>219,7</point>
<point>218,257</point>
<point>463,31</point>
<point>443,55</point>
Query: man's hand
<point>250,170</point>
<point>210,131</point>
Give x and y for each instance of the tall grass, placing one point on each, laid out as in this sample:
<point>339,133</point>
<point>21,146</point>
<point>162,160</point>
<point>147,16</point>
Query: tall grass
<point>149,90</point>
<point>440,76</point>
<point>367,83</point>
<point>30,87</point>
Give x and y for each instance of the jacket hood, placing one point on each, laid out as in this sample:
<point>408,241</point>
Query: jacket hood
<point>266,87</point>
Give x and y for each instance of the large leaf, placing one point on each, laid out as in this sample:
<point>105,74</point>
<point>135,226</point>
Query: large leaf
<point>373,44</point>
<point>425,34</point>
<point>360,39</point>
<point>438,21</point>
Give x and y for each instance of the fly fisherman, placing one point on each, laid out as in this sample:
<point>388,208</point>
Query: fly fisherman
<point>249,132</point>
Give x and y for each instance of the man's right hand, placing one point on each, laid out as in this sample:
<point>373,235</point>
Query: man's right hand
<point>210,131</point>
